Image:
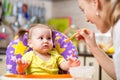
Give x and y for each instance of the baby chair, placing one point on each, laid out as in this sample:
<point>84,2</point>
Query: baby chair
<point>18,46</point>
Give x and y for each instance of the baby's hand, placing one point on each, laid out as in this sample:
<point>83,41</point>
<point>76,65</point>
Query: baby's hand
<point>73,62</point>
<point>21,66</point>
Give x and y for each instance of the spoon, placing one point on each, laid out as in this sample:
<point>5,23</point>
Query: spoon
<point>68,39</point>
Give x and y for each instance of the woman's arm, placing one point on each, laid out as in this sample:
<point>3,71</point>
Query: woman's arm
<point>103,59</point>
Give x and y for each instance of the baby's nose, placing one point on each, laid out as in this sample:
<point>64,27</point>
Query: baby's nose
<point>45,40</point>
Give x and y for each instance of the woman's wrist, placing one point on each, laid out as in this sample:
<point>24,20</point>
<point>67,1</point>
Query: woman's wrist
<point>96,49</point>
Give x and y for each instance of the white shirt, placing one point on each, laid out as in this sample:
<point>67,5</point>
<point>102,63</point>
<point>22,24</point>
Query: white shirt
<point>116,43</point>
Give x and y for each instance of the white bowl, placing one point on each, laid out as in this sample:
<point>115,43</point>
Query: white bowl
<point>82,71</point>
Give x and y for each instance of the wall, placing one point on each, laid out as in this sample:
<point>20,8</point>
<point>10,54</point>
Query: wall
<point>38,3</point>
<point>70,8</point>
<point>62,8</point>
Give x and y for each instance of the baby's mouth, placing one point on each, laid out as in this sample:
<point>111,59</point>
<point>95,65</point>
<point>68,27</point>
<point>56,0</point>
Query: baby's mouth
<point>45,46</point>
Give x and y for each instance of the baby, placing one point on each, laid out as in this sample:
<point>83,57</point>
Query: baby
<point>42,59</point>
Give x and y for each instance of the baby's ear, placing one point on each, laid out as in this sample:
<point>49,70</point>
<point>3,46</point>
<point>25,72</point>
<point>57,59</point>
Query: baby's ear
<point>29,43</point>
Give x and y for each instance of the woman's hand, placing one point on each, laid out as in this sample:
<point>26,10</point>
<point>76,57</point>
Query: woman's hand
<point>88,37</point>
<point>21,66</point>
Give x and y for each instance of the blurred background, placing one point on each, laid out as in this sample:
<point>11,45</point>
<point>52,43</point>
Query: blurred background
<point>63,15</point>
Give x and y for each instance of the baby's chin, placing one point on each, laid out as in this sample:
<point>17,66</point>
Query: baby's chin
<point>45,50</point>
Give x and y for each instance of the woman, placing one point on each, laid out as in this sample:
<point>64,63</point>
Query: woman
<point>105,14</point>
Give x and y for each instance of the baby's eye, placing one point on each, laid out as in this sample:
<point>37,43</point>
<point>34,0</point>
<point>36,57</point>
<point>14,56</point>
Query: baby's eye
<point>49,38</point>
<point>41,38</point>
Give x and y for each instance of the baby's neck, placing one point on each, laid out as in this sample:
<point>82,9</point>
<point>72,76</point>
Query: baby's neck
<point>43,56</point>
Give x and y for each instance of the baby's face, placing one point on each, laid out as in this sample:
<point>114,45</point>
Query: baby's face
<point>41,40</point>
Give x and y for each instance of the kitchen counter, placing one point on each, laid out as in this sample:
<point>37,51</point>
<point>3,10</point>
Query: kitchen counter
<point>40,77</point>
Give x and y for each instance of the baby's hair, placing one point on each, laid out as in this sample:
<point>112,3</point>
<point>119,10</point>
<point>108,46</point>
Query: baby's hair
<point>21,32</point>
<point>38,26</point>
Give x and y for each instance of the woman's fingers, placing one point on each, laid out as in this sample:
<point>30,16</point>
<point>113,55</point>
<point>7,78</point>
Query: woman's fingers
<point>84,33</point>
<point>81,34</point>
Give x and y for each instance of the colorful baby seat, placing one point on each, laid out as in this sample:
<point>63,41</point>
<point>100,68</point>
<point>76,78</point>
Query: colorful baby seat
<point>18,46</point>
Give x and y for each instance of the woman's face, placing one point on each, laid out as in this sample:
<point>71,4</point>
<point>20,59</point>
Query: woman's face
<point>90,9</point>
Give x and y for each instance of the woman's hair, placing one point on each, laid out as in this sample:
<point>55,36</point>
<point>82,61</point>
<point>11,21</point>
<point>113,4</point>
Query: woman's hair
<point>21,32</point>
<point>114,11</point>
<point>114,14</point>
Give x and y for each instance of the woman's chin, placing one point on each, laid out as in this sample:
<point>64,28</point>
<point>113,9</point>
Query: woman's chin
<point>104,31</point>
